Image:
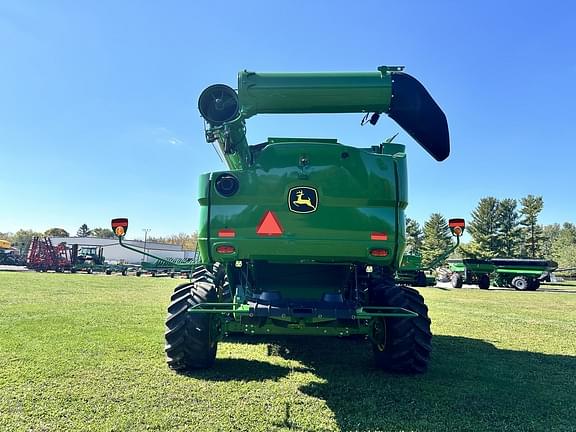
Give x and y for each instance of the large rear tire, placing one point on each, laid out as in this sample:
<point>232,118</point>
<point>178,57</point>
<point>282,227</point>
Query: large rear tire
<point>534,284</point>
<point>401,345</point>
<point>484,281</point>
<point>192,340</point>
<point>421,279</point>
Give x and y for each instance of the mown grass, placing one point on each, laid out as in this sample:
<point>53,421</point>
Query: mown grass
<point>81,352</point>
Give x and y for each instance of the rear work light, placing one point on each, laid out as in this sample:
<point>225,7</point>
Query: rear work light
<point>225,249</point>
<point>379,252</point>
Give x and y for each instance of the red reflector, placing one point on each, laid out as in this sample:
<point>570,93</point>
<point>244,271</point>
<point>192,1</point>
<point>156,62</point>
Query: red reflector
<point>379,252</point>
<point>379,236</point>
<point>225,249</point>
<point>228,233</point>
<point>269,225</point>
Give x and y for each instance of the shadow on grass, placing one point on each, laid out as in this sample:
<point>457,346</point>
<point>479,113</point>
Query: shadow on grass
<point>231,369</point>
<point>471,385</point>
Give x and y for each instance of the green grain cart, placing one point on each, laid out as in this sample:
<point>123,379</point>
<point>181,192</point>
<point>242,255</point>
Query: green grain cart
<point>520,273</point>
<point>470,271</point>
<point>302,236</point>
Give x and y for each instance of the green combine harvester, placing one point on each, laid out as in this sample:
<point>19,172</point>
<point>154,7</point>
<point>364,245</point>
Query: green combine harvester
<point>303,236</point>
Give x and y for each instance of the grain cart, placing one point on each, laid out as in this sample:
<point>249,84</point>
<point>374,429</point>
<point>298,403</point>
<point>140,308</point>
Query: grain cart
<point>302,236</point>
<point>521,274</point>
<point>471,271</point>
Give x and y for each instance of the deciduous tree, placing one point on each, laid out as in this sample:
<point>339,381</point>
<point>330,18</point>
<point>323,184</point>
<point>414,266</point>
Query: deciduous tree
<point>56,232</point>
<point>104,233</point>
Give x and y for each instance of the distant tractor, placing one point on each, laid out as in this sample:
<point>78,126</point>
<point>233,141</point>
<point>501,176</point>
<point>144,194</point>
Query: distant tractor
<point>9,255</point>
<point>303,236</point>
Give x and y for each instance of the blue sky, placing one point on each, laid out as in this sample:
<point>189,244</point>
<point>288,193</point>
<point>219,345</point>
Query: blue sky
<point>98,114</point>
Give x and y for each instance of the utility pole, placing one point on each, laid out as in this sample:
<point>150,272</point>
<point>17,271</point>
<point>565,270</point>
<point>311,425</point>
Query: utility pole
<point>146,231</point>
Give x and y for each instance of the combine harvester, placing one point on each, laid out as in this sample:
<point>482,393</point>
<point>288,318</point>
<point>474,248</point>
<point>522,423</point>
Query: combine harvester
<point>303,236</point>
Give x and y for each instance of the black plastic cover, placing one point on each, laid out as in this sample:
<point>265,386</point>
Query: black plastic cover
<point>417,113</point>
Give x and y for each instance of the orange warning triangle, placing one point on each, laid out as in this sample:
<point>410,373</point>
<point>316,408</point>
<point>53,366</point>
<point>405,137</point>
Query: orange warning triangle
<point>269,225</point>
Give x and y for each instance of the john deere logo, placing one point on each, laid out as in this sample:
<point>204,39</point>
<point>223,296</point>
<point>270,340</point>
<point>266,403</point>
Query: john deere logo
<point>303,199</point>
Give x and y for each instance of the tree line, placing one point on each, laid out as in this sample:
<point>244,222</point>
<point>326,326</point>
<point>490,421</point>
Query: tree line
<point>21,239</point>
<point>499,228</point>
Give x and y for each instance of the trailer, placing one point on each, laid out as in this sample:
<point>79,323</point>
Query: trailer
<point>470,271</point>
<point>167,267</point>
<point>521,274</point>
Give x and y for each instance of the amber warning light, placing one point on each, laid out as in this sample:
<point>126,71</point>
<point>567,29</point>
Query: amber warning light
<point>457,226</point>
<point>120,226</point>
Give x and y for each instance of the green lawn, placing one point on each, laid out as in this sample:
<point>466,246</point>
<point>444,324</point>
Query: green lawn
<point>85,352</point>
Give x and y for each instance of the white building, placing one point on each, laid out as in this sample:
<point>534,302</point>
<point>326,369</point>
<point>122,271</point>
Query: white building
<point>115,253</point>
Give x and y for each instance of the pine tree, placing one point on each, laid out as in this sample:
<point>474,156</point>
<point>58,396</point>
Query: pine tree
<point>413,236</point>
<point>484,229</point>
<point>83,231</point>
<point>533,234</point>
<point>436,239</point>
<point>509,232</point>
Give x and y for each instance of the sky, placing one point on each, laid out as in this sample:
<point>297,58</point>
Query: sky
<point>98,100</point>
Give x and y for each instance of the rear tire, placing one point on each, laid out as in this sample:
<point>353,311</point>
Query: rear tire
<point>402,345</point>
<point>484,281</point>
<point>456,280</point>
<point>421,279</point>
<point>191,340</point>
<point>534,284</point>
<point>521,283</point>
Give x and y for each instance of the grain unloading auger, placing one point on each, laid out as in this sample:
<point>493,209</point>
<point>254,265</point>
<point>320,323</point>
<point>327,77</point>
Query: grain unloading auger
<point>302,236</point>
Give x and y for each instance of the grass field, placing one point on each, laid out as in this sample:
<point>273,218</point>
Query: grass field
<point>85,352</point>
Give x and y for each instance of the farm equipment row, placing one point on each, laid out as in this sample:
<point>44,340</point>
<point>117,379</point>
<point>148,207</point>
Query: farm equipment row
<point>520,274</point>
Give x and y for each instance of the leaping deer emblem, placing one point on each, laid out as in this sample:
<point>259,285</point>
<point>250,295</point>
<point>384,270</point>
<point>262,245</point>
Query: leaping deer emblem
<point>301,200</point>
